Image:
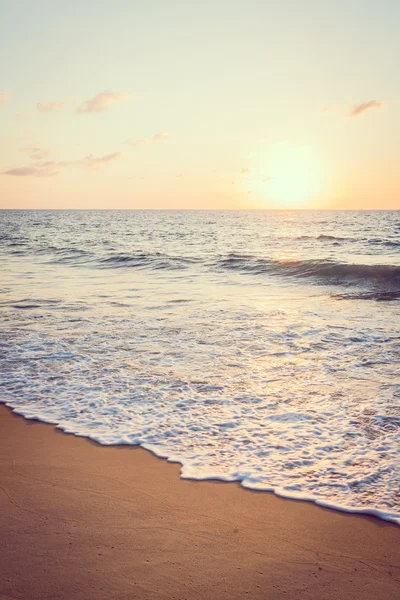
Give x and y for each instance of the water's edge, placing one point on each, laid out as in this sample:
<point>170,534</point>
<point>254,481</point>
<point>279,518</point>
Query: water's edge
<point>388,517</point>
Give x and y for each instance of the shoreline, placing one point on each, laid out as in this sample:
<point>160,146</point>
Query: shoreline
<point>88,521</point>
<point>369,512</point>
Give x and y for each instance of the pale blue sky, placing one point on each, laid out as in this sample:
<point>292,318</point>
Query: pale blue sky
<point>230,83</point>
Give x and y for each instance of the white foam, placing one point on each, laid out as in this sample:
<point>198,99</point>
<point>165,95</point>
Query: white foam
<point>193,388</point>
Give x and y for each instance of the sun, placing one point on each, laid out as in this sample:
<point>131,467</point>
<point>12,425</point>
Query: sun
<point>292,177</point>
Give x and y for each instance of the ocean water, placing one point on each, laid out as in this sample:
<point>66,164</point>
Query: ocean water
<point>260,347</point>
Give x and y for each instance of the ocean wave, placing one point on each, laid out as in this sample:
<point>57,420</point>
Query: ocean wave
<point>377,295</point>
<point>29,303</point>
<point>362,240</point>
<point>383,242</point>
<point>323,236</point>
<point>391,244</point>
<point>154,260</point>
<point>326,237</point>
<point>384,276</point>
<point>323,269</point>
<point>72,256</point>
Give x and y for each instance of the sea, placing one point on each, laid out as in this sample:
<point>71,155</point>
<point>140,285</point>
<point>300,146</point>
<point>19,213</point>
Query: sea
<point>261,347</point>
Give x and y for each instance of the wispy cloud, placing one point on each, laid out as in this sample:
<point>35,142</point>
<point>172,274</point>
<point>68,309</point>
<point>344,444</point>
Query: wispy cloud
<point>4,96</point>
<point>35,152</point>
<point>92,161</point>
<point>245,171</point>
<point>266,179</point>
<point>358,109</point>
<point>100,102</point>
<point>21,116</point>
<point>32,172</point>
<point>49,106</point>
<point>51,168</point>
<point>162,136</point>
<point>159,137</point>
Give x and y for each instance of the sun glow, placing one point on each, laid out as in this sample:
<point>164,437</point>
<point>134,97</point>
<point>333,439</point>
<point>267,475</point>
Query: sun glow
<point>291,178</point>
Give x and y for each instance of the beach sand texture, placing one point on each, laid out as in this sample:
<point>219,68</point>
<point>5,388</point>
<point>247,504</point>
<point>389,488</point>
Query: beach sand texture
<point>79,520</point>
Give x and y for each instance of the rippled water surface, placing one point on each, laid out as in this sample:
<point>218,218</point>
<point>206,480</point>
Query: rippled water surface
<point>253,346</point>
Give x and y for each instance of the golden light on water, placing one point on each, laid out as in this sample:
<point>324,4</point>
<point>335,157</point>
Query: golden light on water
<point>290,178</point>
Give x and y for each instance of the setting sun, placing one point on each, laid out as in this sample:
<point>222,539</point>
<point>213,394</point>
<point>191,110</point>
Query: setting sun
<point>295,179</point>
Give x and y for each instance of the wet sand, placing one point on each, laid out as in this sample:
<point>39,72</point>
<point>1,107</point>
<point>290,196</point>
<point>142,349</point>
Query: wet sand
<point>79,520</point>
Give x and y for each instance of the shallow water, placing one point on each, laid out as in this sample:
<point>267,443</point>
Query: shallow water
<point>253,346</point>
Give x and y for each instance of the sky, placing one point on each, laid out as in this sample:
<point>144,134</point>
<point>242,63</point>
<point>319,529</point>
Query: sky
<point>221,104</point>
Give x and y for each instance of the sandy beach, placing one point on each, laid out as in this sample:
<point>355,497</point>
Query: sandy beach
<point>79,520</point>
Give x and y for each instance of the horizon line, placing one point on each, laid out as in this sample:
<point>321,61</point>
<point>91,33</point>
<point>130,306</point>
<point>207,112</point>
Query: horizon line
<point>208,209</point>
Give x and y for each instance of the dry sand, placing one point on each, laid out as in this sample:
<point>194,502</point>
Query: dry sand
<point>78,520</point>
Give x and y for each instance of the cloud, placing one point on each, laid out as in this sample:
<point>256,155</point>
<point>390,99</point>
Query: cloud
<point>267,179</point>
<point>91,161</point>
<point>20,116</point>
<point>35,153</point>
<point>100,102</point>
<point>31,172</point>
<point>4,96</point>
<point>157,137</point>
<point>358,109</point>
<point>49,106</point>
<point>245,171</point>
<point>51,168</point>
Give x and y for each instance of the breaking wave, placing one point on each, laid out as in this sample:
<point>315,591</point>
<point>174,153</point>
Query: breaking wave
<point>155,260</point>
<point>329,271</point>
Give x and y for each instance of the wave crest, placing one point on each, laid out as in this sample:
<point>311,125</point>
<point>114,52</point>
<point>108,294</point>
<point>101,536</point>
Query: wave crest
<point>327,270</point>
